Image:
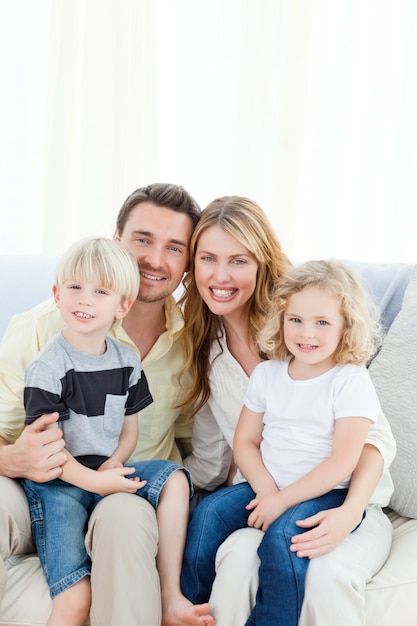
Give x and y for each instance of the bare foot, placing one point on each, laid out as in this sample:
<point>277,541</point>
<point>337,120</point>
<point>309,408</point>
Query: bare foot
<point>183,613</point>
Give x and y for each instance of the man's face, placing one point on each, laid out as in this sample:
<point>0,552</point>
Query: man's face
<point>159,239</point>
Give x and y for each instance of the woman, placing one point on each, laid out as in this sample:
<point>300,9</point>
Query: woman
<point>235,261</point>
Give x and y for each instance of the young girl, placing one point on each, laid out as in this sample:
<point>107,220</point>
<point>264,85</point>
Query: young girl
<point>219,288</point>
<point>96,387</point>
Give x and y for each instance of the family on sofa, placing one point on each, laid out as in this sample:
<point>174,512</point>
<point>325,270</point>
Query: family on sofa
<point>157,221</point>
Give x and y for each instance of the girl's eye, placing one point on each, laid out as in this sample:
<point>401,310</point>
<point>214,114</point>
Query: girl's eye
<point>322,323</point>
<point>296,320</point>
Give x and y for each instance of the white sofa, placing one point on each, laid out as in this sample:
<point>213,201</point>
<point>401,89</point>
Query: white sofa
<point>392,594</point>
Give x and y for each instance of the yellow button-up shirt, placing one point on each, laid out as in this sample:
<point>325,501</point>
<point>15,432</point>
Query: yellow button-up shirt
<point>160,424</point>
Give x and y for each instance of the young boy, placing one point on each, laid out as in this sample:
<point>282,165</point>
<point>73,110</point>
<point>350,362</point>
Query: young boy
<point>97,387</point>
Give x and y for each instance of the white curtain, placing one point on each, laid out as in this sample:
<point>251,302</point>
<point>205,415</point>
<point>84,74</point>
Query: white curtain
<point>307,106</point>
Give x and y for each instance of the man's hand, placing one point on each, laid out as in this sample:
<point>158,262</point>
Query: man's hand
<point>37,454</point>
<point>328,529</point>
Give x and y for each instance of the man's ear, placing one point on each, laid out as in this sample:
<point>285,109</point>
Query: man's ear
<point>123,309</point>
<point>55,293</point>
<point>116,235</point>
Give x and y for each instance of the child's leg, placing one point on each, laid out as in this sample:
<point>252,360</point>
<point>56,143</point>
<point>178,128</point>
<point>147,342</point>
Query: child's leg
<point>215,518</point>
<point>72,606</point>
<point>172,517</point>
<point>59,513</point>
<point>281,573</point>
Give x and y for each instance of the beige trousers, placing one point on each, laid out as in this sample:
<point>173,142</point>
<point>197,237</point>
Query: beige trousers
<point>335,583</point>
<point>122,541</point>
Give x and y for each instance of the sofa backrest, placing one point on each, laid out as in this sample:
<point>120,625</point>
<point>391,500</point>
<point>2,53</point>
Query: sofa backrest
<point>25,281</point>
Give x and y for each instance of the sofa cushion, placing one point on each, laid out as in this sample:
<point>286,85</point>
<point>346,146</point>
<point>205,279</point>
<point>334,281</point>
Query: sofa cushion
<point>394,373</point>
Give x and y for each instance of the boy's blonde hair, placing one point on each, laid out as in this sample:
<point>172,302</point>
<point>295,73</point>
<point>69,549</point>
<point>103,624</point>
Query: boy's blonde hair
<point>362,334</point>
<point>103,261</point>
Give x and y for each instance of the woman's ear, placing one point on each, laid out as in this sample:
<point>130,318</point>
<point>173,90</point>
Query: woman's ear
<point>123,309</point>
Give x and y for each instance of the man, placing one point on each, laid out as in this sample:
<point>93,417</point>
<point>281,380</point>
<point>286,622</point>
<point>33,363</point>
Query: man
<point>156,222</point>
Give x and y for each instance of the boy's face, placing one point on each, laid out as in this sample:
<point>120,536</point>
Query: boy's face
<point>88,307</point>
<point>159,238</point>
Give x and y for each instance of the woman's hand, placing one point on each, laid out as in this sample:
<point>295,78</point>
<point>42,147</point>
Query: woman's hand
<point>328,529</point>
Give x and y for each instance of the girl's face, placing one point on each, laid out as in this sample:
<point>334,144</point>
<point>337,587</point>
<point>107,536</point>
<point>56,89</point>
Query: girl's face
<point>225,272</point>
<point>313,328</point>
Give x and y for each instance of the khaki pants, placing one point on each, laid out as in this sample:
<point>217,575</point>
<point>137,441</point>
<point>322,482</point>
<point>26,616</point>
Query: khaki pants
<point>122,541</point>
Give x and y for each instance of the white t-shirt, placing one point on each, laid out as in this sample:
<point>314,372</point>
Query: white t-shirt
<point>215,424</point>
<point>299,415</point>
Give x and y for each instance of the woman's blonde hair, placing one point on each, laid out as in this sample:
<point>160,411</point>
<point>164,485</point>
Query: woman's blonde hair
<point>362,333</point>
<point>107,262</point>
<point>246,221</point>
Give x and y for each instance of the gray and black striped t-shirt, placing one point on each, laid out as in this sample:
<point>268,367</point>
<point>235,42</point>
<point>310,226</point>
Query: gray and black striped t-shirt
<point>92,394</point>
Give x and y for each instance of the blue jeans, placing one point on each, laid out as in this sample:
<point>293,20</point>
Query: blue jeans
<point>281,573</point>
<point>59,514</point>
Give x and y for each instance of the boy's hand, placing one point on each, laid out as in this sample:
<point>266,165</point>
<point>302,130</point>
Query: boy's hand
<point>116,480</point>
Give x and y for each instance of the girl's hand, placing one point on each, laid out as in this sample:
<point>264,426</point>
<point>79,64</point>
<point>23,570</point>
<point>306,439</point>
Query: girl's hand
<point>328,529</point>
<point>265,510</point>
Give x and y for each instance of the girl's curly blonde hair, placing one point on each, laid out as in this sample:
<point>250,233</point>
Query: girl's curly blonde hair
<point>362,334</point>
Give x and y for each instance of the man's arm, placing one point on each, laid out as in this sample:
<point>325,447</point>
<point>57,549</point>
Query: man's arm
<point>34,452</point>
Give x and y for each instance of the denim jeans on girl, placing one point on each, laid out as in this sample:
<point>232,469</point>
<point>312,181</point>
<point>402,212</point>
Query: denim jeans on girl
<point>281,573</point>
<point>59,513</point>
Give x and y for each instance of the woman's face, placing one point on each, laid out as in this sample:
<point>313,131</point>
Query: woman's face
<point>225,271</point>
